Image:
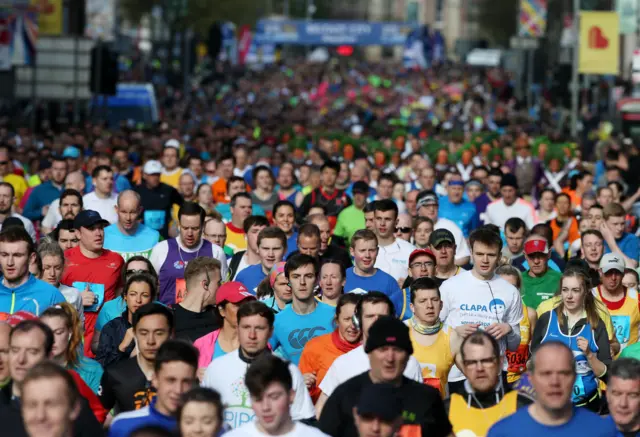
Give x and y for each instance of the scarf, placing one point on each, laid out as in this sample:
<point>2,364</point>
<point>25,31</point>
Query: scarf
<point>424,329</point>
<point>342,345</point>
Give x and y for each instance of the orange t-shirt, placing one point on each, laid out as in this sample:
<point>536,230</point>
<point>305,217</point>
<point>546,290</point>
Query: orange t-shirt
<point>317,356</point>
<point>219,191</point>
<point>574,231</point>
<point>576,200</point>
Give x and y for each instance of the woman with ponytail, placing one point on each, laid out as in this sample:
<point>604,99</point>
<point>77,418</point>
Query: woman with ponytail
<point>434,346</point>
<point>320,352</point>
<point>67,349</point>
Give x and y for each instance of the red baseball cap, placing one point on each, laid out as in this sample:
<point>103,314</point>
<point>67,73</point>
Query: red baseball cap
<point>536,246</point>
<point>20,316</point>
<point>233,292</point>
<point>419,252</point>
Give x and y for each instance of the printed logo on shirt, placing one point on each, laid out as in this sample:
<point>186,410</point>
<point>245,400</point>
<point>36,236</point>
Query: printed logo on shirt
<point>112,265</point>
<point>299,337</point>
<point>179,265</point>
<point>498,306</point>
<point>240,412</point>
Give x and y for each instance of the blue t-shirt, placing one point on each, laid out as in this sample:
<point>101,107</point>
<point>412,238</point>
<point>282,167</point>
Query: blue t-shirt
<point>128,246</point>
<point>126,423</point>
<point>34,296</point>
<point>251,277</point>
<point>217,351</point>
<point>110,310</point>
<point>584,423</point>
<point>90,371</point>
<point>380,281</point>
<point>292,331</point>
<point>225,211</point>
<point>463,214</point>
<point>292,244</point>
<point>629,244</point>
<point>402,303</point>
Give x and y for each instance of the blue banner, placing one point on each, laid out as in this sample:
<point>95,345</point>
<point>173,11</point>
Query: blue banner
<point>333,33</point>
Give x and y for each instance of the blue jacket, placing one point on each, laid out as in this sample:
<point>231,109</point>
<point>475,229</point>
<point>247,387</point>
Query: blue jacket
<point>41,195</point>
<point>34,296</point>
<point>90,371</point>
<point>126,423</point>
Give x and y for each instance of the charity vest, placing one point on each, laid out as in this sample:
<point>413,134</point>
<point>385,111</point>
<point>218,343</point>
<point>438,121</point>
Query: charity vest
<point>586,385</point>
<point>435,360</point>
<point>475,422</point>
<point>625,316</point>
<point>518,359</point>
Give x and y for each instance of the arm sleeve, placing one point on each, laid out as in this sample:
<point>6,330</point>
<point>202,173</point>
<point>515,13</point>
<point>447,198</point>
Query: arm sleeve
<point>539,330</point>
<point>108,352</point>
<point>331,420</point>
<point>302,407</point>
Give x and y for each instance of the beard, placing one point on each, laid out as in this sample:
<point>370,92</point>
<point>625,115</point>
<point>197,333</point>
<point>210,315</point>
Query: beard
<point>6,211</point>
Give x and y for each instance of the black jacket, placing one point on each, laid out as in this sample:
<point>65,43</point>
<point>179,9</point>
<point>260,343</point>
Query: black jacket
<point>110,338</point>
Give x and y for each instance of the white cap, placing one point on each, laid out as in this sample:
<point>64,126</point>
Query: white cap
<point>612,261</point>
<point>175,144</point>
<point>356,129</point>
<point>152,167</point>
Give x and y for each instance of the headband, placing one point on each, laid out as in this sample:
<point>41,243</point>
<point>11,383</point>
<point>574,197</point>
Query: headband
<point>277,269</point>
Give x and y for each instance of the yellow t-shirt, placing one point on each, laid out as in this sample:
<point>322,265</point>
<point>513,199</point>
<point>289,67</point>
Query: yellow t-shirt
<point>19,186</point>
<point>625,317</point>
<point>603,312</point>
<point>517,360</point>
<point>470,421</point>
<point>235,238</point>
<point>172,178</point>
<point>435,360</point>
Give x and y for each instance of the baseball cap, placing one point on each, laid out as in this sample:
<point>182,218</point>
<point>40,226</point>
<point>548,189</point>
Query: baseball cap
<point>509,180</point>
<point>536,246</point>
<point>428,198</point>
<point>419,252</point>
<point>233,292</point>
<point>88,218</point>
<point>360,187</point>
<point>381,401</point>
<point>612,261</point>
<point>71,152</point>
<point>388,331</point>
<point>174,144</point>
<point>152,167</point>
<point>440,236</point>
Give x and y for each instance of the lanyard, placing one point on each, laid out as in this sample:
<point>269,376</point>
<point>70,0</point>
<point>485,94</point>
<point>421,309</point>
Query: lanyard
<point>13,302</point>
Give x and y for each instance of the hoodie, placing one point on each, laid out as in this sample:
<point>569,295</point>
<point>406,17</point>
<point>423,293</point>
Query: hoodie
<point>34,296</point>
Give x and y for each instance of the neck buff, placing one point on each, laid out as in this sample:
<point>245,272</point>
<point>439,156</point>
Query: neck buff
<point>424,329</point>
<point>342,345</point>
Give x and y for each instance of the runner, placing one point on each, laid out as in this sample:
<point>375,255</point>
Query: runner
<point>74,181</point>
<point>393,252</point>
<point>102,199</point>
<point>351,219</point>
<point>284,217</point>
<point>623,396</point>
<point>443,244</point>
<point>245,258</point>
<point>200,413</point>
<point>7,197</point>
<point>540,282</point>
<point>460,211</point>
<point>272,245</point>
<point>240,210</point>
<point>170,257</point>
<point>510,205</point>
<point>421,265</point>
<point>333,199</point>
<point>128,237</point>
<point>52,258</point>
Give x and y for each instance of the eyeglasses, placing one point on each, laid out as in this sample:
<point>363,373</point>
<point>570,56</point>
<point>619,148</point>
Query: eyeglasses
<point>484,362</point>
<point>424,265</point>
<point>134,271</point>
<point>404,230</point>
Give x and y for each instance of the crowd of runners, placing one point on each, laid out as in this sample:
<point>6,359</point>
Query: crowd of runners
<point>342,250</point>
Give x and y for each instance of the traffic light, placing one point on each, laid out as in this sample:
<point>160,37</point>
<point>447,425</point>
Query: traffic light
<point>104,70</point>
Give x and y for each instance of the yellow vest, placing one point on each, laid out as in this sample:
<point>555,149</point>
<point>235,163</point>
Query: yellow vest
<point>435,360</point>
<point>603,312</point>
<point>475,422</point>
<point>517,361</point>
<point>626,319</point>
<point>172,179</point>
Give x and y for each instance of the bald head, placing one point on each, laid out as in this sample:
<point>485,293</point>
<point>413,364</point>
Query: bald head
<point>128,209</point>
<point>129,198</point>
<point>75,180</point>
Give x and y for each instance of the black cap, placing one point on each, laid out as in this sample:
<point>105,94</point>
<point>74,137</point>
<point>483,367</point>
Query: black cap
<point>44,164</point>
<point>509,180</point>
<point>360,187</point>
<point>381,401</point>
<point>440,236</point>
<point>388,331</point>
<point>88,218</point>
<point>11,222</point>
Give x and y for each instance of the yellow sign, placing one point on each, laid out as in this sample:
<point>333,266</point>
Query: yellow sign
<point>599,43</point>
<point>49,16</point>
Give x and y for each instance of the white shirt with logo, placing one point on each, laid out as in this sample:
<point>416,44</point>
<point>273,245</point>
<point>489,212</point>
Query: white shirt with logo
<point>469,300</point>
<point>226,376</point>
<point>394,258</point>
<point>299,430</point>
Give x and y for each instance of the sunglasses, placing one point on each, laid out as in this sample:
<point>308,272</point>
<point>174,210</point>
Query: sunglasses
<point>404,230</point>
<point>4,162</point>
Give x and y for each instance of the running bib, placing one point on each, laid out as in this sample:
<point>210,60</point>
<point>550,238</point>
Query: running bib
<point>181,290</point>
<point>97,289</point>
<point>622,328</point>
<point>579,392</point>
<point>155,219</point>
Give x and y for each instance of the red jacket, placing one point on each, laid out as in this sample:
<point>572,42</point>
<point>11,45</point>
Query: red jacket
<point>90,396</point>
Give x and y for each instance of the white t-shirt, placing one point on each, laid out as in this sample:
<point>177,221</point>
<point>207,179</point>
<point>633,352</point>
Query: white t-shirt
<point>469,300</point>
<point>354,363</point>
<point>462,248</point>
<point>226,375</point>
<point>28,225</point>
<point>498,213</point>
<point>161,250</point>
<point>299,430</point>
<point>394,258</point>
<point>52,217</point>
<point>72,296</point>
<point>106,207</point>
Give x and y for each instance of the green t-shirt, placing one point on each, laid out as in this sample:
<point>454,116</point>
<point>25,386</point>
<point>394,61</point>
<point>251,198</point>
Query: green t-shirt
<point>535,290</point>
<point>350,220</point>
<point>632,351</point>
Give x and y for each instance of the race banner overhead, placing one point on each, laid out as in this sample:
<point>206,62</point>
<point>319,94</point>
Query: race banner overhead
<point>599,43</point>
<point>332,33</point>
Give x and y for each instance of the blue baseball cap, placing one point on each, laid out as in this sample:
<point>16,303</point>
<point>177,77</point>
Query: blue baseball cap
<point>71,152</point>
<point>88,218</point>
